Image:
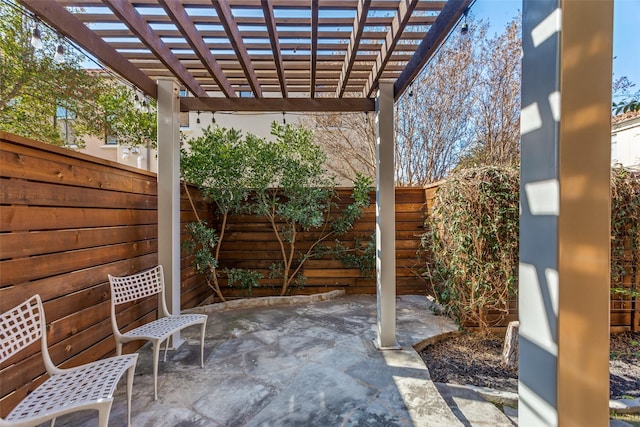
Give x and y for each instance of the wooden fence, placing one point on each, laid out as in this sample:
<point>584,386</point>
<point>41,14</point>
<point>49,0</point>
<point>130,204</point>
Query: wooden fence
<point>66,221</point>
<point>250,243</point>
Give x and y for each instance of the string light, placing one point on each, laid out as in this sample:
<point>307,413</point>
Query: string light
<point>464,29</point>
<point>284,118</point>
<point>59,56</point>
<point>36,37</point>
<point>198,119</point>
<point>366,117</point>
<point>213,117</point>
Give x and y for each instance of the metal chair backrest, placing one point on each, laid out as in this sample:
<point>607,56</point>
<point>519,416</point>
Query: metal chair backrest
<point>21,326</point>
<point>137,286</point>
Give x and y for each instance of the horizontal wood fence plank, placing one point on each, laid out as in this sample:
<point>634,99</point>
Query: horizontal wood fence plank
<point>20,192</point>
<point>72,282</point>
<point>23,244</point>
<point>24,218</point>
<point>21,270</point>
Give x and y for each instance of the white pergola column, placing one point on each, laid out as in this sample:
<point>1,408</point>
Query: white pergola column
<point>564,224</point>
<point>169,193</point>
<point>385,219</point>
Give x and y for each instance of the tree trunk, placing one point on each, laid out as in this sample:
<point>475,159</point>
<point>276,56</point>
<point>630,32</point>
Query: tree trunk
<point>510,349</point>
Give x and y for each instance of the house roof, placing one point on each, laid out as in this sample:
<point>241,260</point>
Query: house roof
<point>265,55</point>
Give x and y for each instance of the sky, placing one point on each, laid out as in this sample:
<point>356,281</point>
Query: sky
<point>626,21</point>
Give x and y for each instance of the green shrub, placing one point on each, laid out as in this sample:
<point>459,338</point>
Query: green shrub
<point>625,231</point>
<point>473,242</point>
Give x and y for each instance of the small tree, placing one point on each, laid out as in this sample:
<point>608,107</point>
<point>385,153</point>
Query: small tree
<point>302,199</point>
<point>283,180</point>
<point>218,163</point>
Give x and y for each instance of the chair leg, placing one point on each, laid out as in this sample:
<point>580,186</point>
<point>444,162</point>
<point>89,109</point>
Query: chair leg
<point>204,324</point>
<point>103,414</point>
<point>166,347</point>
<point>119,348</point>
<point>130,373</point>
<point>156,351</point>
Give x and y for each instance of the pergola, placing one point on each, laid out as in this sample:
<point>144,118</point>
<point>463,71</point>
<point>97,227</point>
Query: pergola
<point>361,55</point>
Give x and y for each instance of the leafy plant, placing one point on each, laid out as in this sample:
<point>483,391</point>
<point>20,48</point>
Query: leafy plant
<point>247,279</point>
<point>625,232</point>
<point>473,241</point>
<point>303,199</point>
<point>217,162</point>
<point>283,180</point>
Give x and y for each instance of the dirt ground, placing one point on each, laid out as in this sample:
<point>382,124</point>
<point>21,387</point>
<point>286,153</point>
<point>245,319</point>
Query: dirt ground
<point>473,359</point>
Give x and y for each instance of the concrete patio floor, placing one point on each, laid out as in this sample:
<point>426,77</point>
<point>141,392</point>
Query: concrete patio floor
<point>299,364</point>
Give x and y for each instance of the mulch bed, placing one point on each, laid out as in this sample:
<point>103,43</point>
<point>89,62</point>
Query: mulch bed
<point>471,358</point>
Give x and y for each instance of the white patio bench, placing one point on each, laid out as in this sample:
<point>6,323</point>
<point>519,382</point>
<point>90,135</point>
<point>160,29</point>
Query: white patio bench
<point>141,285</point>
<point>89,386</point>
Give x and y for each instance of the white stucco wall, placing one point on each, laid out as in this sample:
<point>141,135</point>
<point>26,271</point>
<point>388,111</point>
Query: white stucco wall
<point>625,143</point>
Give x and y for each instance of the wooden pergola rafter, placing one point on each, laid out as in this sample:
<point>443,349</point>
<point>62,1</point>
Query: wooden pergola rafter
<point>260,49</point>
<point>233,32</point>
<point>132,19</point>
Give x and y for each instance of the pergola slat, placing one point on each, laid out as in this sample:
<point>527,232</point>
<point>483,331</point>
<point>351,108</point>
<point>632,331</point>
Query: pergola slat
<point>130,16</point>
<point>270,22</point>
<point>175,10</point>
<point>314,44</point>
<point>226,18</point>
<point>354,42</point>
<point>400,20</point>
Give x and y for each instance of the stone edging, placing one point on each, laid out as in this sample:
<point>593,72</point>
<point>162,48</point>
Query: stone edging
<point>508,398</point>
<point>267,302</point>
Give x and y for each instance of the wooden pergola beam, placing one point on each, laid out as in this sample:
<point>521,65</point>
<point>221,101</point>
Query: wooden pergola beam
<point>68,25</point>
<point>270,22</point>
<point>359,22</point>
<point>278,104</point>
<point>258,21</point>
<point>233,32</point>
<point>445,21</point>
<point>400,20</point>
<point>184,24</point>
<point>130,16</point>
<point>314,44</point>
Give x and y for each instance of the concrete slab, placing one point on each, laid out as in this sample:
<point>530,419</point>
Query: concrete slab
<point>292,364</point>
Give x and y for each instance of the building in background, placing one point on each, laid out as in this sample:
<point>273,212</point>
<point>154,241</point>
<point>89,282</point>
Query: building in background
<point>625,140</point>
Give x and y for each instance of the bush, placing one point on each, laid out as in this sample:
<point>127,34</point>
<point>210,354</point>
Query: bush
<point>625,232</point>
<point>473,241</point>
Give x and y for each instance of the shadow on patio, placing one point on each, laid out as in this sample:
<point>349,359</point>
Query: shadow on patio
<point>296,364</point>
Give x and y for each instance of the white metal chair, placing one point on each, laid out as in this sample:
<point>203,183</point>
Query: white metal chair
<point>89,386</point>
<point>147,283</point>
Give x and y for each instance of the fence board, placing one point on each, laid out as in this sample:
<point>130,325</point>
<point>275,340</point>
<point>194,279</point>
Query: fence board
<point>66,221</point>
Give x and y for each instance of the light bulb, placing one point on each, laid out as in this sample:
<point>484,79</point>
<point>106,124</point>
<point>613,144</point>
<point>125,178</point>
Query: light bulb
<point>36,38</point>
<point>59,56</point>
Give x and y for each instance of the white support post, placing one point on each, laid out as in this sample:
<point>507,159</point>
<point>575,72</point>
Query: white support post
<point>385,219</point>
<point>169,193</point>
